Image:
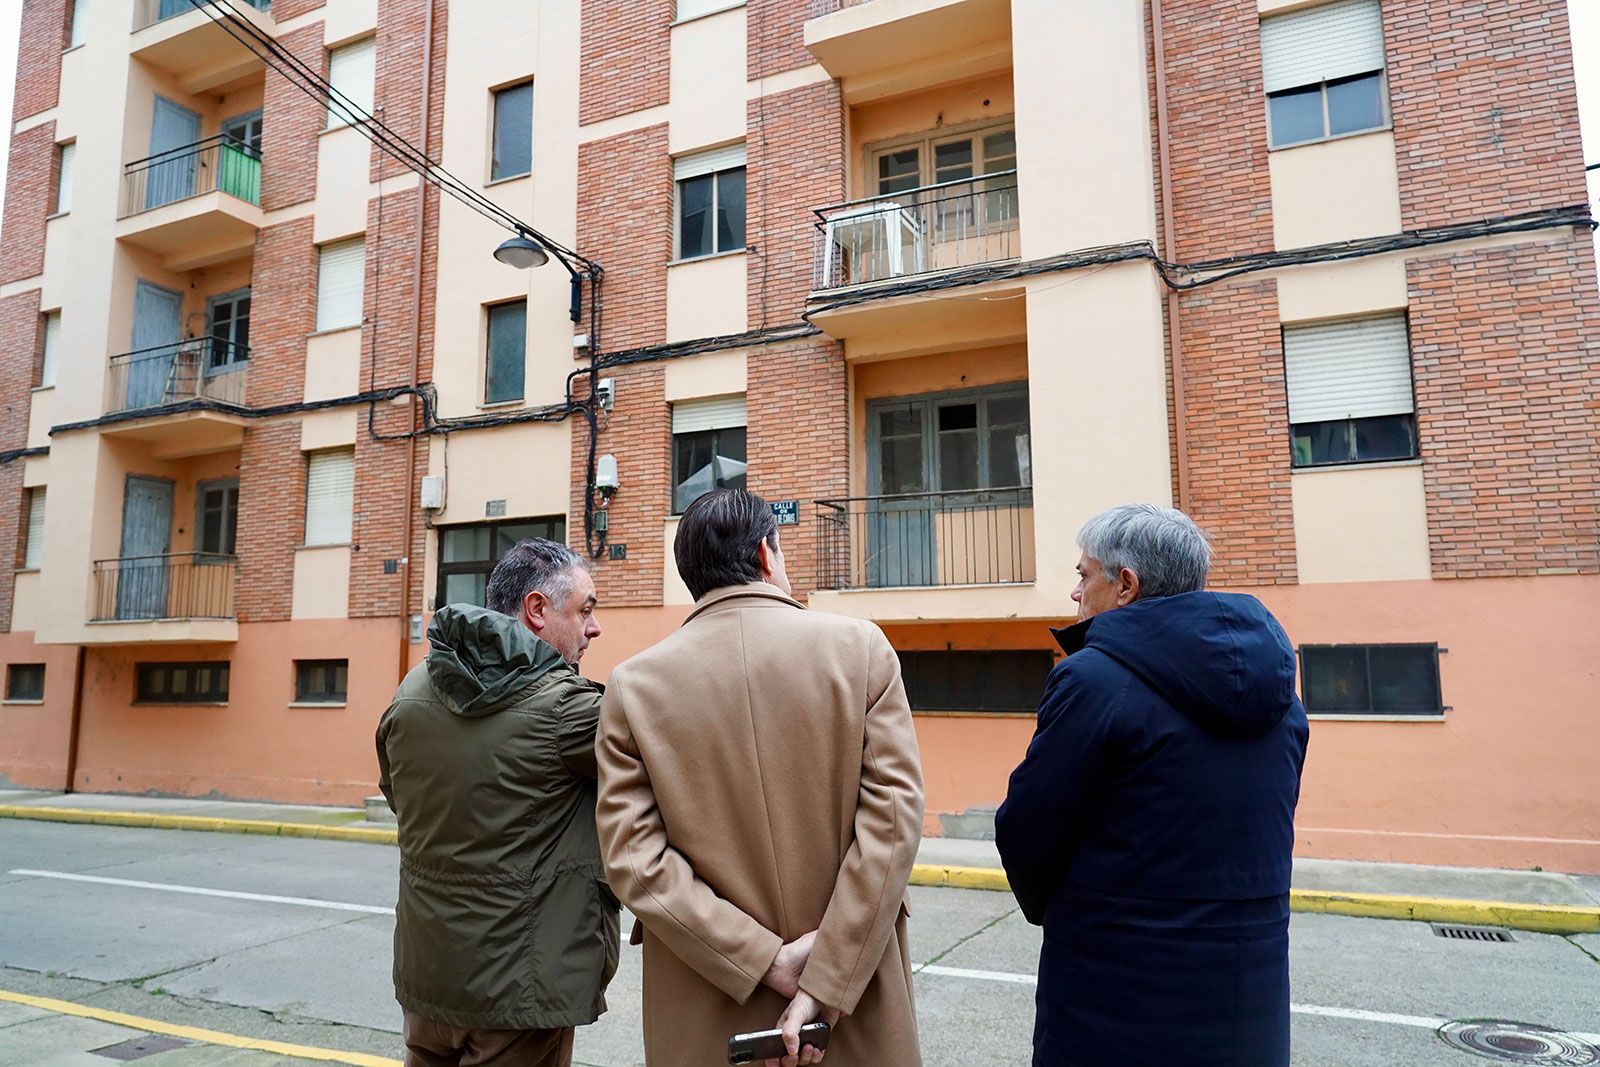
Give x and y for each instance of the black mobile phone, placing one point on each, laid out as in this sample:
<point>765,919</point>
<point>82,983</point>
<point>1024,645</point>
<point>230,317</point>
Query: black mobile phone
<point>768,1044</point>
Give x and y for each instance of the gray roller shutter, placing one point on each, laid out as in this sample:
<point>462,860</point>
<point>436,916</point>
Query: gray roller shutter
<point>718,413</point>
<point>1321,44</point>
<point>1354,369</point>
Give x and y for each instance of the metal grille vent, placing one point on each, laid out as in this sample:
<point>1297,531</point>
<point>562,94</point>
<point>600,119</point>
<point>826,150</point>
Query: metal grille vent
<point>1471,933</point>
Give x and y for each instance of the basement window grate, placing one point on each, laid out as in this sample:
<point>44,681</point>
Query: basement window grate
<point>1471,933</point>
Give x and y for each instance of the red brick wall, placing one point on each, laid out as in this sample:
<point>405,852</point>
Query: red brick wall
<point>293,122</point>
<point>1485,109</point>
<point>1216,113</point>
<point>28,199</point>
<point>1505,348</point>
<point>398,88</point>
<point>283,311</point>
<point>1238,422</point>
<point>638,431</point>
<point>625,54</point>
<point>44,35</point>
<point>795,156</point>
<point>775,36</point>
<point>19,344</point>
<point>625,221</point>
<point>272,493</point>
<point>284,10</point>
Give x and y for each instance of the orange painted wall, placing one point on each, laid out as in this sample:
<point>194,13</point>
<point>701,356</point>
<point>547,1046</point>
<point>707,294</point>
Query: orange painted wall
<point>33,737</point>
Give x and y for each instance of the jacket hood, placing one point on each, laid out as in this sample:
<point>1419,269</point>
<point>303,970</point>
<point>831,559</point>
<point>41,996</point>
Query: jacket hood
<point>1219,658</point>
<point>481,660</point>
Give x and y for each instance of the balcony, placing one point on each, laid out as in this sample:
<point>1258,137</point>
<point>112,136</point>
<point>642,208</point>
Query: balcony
<point>164,381</point>
<point>193,206</point>
<point>879,48</point>
<point>181,597</point>
<point>185,41</point>
<point>923,540</point>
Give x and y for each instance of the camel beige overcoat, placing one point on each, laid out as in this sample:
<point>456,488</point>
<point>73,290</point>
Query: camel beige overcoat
<point>759,779</point>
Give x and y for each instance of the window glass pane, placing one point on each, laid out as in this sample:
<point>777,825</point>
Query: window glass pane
<point>507,536</point>
<point>730,457</point>
<point>693,470</point>
<point>899,171</point>
<point>1296,116</point>
<point>1355,104</point>
<point>506,361</point>
<point>1385,437</point>
<point>1321,442</point>
<point>694,217</point>
<point>25,681</point>
<point>466,588</point>
<point>1336,679</point>
<point>952,161</point>
<point>464,544</point>
<point>1000,151</point>
<point>900,450</point>
<point>730,210</point>
<point>958,446</point>
<point>513,132</point>
<point>1010,462</point>
<point>1404,679</point>
<point>975,681</point>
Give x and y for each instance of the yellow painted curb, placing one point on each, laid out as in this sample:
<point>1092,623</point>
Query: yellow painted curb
<point>960,877</point>
<point>369,834</point>
<point>194,1033</point>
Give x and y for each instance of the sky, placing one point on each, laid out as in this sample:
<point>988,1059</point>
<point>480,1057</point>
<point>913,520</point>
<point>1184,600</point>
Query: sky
<point>1583,14</point>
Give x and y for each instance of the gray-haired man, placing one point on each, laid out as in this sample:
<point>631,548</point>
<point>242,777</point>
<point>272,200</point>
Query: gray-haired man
<point>505,933</point>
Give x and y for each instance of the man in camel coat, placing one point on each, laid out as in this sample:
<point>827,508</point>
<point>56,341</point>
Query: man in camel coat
<point>760,809</point>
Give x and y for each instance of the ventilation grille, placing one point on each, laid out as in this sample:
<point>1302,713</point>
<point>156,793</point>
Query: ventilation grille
<point>1471,933</point>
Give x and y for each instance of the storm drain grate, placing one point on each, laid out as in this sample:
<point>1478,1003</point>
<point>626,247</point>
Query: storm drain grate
<point>137,1048</point>
<point>1512,1042</point>
<point>1471,933</point>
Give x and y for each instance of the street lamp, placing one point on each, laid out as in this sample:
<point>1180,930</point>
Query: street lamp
<point>522,253</point>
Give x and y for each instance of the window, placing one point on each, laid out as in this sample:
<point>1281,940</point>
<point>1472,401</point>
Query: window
<point>1371,679</point>
<point>352,70</point>
<point>975,681</point>
<point>66,160</point>
<point>950,442</point>
<point>467,554</point>
<point>230,332</point>
<point>321,681</point>
<point>33,551</point>
<point>217,519</point>
<point>1323,70</point>
<point>1350,397</point>
<point>330,489</point>
<point>907,166</point>
<point>181,683</point>
<point>693,9</point>
<point>25,683</point>
<point>505,353</point>
<point>78,23</point>
<point>245,130</point>
<point>50,349</point>
<point>708,448</point>
<point>341,280</point>
<point>512,149</point>
<point>710,202</point>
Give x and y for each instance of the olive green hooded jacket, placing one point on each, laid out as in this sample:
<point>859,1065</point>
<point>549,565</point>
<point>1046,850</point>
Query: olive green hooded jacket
<point>504,920</point>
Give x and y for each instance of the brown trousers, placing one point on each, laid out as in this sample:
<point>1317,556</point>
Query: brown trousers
<point>433,1044</point>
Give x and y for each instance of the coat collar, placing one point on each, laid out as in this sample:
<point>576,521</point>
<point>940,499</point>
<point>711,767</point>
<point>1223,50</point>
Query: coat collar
<point>756,594</point>
<point>1072,638</point>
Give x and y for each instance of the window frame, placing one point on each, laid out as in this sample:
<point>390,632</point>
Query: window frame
<point>11,696</point>
<point>333,120</point>
<point>49,354</point>
<point>360,310</point>
<point>716,199</point>
<point>1387,123</point>
<point>558,525</point>
<point>305,531</point>
<point>1437,712</point>
<point>930,435</point>
<point>980,659</point>
<point>30,562</point>
<point>488,326</point>
<point>231,525</point>
<point>672,489</point>
<point>326,697</point>
<point>61,171</point>
<point>494,128</point>
<point>213,696</point>
<point>1411,373</point>
<point>926,145</point>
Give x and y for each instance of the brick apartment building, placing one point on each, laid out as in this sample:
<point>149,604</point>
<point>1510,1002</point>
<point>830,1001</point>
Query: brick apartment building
<point>941,277</point>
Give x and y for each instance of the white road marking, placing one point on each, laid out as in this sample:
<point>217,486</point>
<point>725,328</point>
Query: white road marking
<point>265,898</point>
<point>982,976</point>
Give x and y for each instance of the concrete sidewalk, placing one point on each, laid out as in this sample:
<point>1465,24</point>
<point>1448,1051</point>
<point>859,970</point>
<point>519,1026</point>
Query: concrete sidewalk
<point>1535,900</point>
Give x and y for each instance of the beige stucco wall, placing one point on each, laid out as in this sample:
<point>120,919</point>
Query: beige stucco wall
<point>333,364</point>
<point>673,591</point>
<point>711,374</point>
<point>945,108</point>
<point>1357,524</point>
<point>512,464</point>
<point>321,583</point>
<point>25,601</point>
<point>1332,290</point>
<point>706,297</point>
<point>341,203</point>
<point>329,429</point>
<point>1335,190</point>
<point>707,81</point>
<point>41,412</point>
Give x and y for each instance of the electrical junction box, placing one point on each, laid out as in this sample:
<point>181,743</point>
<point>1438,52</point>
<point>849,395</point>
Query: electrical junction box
<point>433,492</point>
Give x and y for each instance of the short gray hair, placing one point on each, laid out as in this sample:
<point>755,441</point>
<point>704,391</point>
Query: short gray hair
<point>1163,546</point>
<point>533,564</point>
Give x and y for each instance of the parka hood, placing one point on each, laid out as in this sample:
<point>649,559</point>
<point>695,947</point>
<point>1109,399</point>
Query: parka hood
<point>482,659</point>
<point>1220,658</point>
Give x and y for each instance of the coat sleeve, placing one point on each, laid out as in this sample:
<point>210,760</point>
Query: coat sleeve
<point>726,946</point>
<point>888,827</point>
<point>577,720</point>
<point>385,724</point>
<point>1040,822</point>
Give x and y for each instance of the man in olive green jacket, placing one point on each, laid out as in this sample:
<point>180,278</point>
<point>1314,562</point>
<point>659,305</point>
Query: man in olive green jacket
<point>505,932</point>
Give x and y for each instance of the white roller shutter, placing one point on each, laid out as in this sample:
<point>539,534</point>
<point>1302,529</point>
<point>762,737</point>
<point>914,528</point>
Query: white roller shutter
<point>718,159</point>
<point>33,554</point>
<point>718,413</point>
<point>330,496</point>
<point>52,349</point>
<point>1348,370</point>
<point>79,17</point>
<point>341,274</point>
<point>1320,44</point>
<point>352,70</point>
<point>67,163</point>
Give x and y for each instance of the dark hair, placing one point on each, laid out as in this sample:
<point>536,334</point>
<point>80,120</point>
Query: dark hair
<point>717,540</point>
<point>530,564</point>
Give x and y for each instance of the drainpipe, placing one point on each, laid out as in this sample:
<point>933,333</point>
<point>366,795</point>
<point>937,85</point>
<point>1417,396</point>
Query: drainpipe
<point>77,717</point>
<point>1169,247</point>
<point>407,496</point>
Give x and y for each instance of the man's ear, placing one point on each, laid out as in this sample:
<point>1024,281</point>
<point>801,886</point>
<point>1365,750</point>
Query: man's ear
<point>764,559</point>
<point>1127,587</point>
<point>533,609</point>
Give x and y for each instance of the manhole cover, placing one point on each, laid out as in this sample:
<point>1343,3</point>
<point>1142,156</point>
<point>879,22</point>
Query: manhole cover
<point>137,1048</point>
<point>1511,1042</point>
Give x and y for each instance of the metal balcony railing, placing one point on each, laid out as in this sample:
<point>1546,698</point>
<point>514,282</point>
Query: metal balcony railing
<point>971,537</point>
<point>962,223</point>
<point>216,163</point>
<point>175,585</point>
<point>203,368</point>
<point>149,12</point>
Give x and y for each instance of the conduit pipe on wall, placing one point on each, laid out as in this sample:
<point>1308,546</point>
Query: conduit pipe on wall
<point>1169,251</point>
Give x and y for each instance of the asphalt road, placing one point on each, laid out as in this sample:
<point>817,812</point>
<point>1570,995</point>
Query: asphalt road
<point>296,949</point>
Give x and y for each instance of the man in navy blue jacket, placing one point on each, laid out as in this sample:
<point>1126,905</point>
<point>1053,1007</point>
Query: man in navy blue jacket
<point>1149,829</point>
